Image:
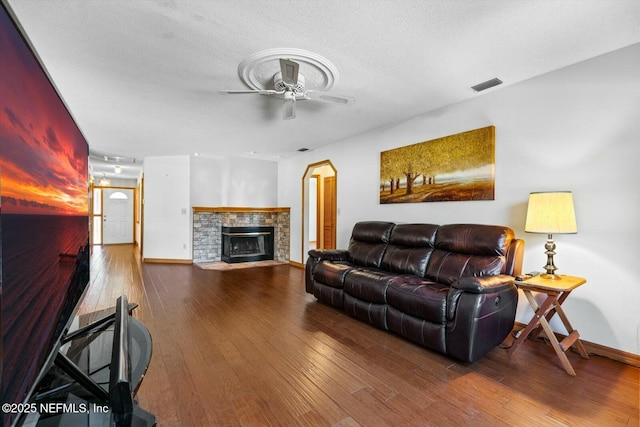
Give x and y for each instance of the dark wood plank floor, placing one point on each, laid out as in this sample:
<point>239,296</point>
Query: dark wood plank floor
<point>250,347</point>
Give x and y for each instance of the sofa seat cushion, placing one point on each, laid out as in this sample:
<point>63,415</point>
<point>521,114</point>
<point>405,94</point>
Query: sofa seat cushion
<point>423,299</point>
<point>368,285</point>
<point>331,273</point>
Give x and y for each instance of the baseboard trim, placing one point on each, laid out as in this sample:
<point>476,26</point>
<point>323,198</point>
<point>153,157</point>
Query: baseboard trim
<point>167,261</point>
<point>601,350</point>
<point>296,264</point>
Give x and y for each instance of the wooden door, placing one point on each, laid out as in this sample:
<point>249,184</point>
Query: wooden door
<point>329,209</point>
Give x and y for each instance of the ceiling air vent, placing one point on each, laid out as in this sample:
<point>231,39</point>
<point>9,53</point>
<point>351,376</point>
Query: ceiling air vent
<point>486,85</point>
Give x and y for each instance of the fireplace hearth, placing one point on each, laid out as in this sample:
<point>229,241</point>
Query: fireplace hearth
<point>244,244</point>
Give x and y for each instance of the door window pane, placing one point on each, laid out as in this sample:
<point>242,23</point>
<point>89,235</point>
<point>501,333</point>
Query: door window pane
<point>118,195</point>
<point>97,230</point>
<point>97,201</point>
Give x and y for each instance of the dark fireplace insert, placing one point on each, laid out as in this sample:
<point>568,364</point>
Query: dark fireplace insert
<point>244,244</point>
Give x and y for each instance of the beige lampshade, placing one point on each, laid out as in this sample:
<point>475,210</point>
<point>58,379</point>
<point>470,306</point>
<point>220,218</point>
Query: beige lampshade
<point>551,213</point>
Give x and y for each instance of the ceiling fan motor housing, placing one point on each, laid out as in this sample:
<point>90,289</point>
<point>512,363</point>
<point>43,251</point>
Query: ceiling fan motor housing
<point>280,85</point>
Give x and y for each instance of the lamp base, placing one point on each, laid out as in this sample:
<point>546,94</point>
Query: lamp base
<point>550,268</point>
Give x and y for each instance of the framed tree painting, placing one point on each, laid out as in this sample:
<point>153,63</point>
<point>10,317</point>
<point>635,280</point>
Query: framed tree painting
<point>452,168</point>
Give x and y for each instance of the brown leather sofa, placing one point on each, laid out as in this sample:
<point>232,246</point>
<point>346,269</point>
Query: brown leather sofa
<point>449,288</point>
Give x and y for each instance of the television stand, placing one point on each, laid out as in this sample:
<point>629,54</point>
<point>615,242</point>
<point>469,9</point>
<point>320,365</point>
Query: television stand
<point>96,374</point>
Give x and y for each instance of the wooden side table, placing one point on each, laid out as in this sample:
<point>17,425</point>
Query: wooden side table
<point>557,292</point>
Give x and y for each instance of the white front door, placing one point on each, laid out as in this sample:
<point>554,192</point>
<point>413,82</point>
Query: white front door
<point>117,216</point>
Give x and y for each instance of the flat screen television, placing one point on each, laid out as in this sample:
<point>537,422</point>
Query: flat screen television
<point>44,222</point>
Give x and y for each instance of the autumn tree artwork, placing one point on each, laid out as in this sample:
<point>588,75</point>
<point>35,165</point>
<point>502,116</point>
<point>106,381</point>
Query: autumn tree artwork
<point>452,168</point>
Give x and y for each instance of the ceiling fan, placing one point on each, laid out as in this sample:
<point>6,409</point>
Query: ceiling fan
<point>289,84</point>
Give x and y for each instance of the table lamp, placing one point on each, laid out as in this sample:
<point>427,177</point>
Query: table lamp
<point>551,213</point>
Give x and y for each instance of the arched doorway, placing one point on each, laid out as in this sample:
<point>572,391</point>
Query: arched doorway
<point>319,206</point>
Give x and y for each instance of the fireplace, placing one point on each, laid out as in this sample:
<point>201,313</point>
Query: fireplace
<point>208,223</point>
<point>243,244</point>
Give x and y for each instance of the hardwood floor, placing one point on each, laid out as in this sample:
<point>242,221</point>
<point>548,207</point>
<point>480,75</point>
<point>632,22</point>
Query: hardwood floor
<point>250,347</point>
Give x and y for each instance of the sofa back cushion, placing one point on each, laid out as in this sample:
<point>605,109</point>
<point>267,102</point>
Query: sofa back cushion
<point>368,242</point>
<point>468,250</point>
<point>409,248</point>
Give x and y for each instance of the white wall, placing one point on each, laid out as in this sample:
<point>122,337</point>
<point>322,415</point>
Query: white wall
<point>233,181</point>
<point>175,184</point>
<point>119,182</point>
<point>167,208</point>
<point>573,129</point>
<point>206,181</point>
<point>252,183</point>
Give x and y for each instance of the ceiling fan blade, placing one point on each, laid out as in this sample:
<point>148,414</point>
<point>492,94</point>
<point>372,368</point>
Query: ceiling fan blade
<point>289,110</point>
<point>289,70</point>
<point>258,91</point>
<point>322,96</point>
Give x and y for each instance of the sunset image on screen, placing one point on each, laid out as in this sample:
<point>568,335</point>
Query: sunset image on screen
<point>43,154</point>
<point>43,217</point>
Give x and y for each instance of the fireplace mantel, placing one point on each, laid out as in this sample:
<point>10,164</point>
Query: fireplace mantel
<point>236,209</point>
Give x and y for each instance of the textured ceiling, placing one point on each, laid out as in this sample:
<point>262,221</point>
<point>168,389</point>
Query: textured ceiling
<point>142,77</point>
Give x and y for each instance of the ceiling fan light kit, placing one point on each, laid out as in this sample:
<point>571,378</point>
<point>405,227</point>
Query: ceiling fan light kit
<point>280,69</point>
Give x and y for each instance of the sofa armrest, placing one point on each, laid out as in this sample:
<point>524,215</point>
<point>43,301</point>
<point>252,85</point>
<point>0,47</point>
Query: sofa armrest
<point>484,284</point>
<point>478,322</point>
<point>316,256</point>
<point>329,255</point>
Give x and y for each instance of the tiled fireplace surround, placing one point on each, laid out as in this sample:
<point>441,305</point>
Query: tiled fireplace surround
<point>208,223</point>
